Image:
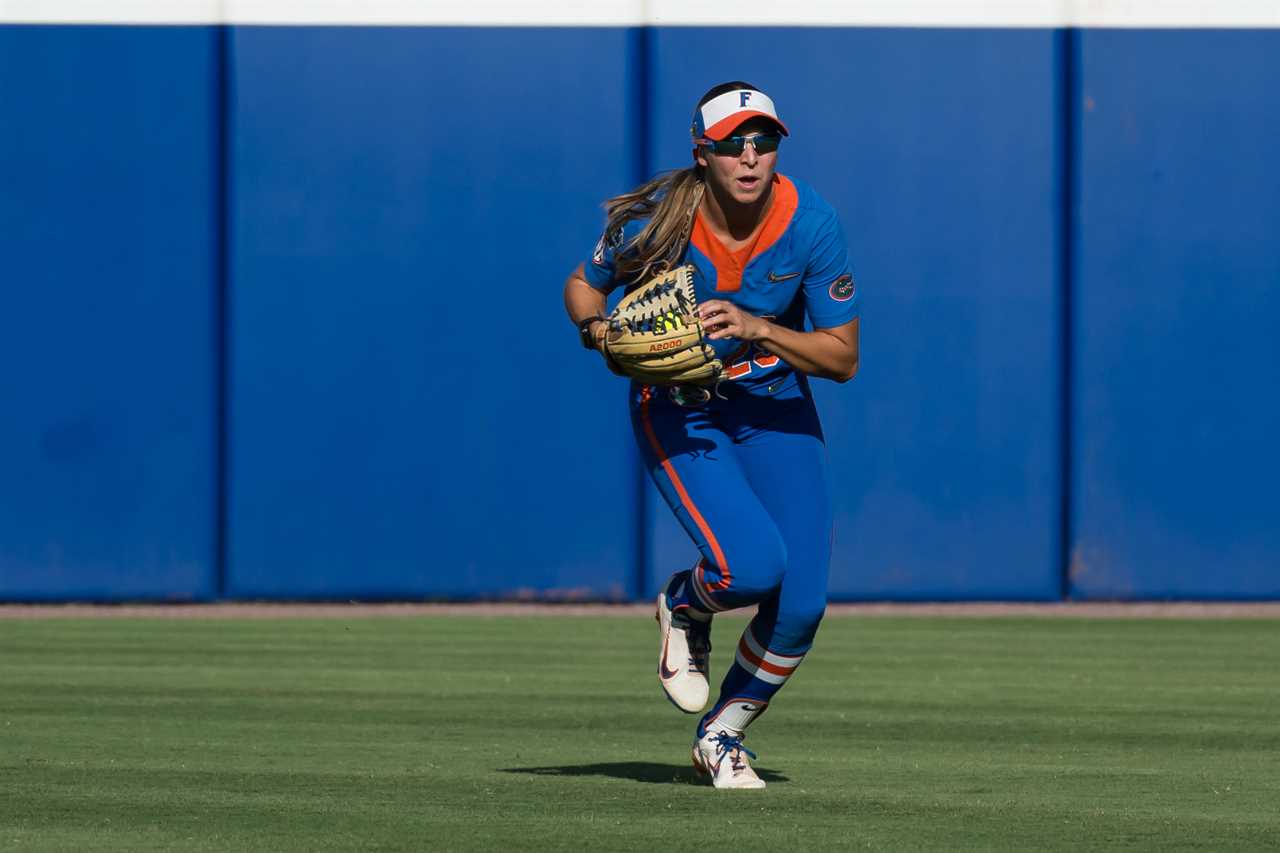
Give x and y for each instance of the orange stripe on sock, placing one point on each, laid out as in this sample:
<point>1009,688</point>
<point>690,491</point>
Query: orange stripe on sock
<point>745,651</point>
<point>687,501</point>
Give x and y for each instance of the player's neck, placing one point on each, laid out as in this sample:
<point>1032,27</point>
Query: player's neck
<point>728,218</point>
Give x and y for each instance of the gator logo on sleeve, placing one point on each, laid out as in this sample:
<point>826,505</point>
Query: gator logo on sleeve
<point>608,240</point>
<point>842,288</point>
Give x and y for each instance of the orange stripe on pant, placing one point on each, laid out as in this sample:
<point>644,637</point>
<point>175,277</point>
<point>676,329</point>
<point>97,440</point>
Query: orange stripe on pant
<point>703,590</point>
<point>712,542</point>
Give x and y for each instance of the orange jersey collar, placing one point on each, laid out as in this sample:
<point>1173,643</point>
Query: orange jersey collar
<point>731,265</point>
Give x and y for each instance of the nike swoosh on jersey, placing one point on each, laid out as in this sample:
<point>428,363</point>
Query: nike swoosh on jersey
<point>774,277</point>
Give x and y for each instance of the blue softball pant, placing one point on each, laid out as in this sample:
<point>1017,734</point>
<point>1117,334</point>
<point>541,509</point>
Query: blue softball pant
<point>747,479</point>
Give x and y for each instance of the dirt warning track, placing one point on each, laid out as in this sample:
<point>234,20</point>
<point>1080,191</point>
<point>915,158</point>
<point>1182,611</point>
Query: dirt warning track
<point>257,610</point>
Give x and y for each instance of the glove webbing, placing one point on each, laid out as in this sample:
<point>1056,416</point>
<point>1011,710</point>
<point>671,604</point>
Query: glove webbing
<point>671,295</point>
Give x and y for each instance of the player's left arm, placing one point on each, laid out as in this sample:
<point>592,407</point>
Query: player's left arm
<point>830,353</point>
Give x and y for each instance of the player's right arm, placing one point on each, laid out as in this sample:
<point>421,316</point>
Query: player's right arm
<point>587,289</point>
<point>582,302</point>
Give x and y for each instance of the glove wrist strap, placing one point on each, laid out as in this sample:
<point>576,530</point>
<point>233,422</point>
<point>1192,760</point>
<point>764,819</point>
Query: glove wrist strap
<point>584,331</point>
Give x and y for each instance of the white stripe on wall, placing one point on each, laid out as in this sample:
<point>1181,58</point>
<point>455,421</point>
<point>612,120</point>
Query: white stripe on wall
<point>977,13</point>
<point>872,13</point>
<point>332,12</point>
<point>110,11</point>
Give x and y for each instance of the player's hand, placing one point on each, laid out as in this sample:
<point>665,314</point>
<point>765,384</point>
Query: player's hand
<point>723,319</point>
<point>598,331</point>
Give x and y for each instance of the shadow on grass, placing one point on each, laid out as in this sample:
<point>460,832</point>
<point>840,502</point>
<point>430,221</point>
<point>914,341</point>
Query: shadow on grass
<point>638,771</point>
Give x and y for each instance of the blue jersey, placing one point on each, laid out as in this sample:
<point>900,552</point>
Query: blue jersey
<point>797,265</point>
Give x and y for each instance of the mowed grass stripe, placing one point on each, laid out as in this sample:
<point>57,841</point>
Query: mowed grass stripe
<point>478,733</point>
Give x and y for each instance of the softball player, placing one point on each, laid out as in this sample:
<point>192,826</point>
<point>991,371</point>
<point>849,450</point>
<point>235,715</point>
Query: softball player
<point>743,468</point>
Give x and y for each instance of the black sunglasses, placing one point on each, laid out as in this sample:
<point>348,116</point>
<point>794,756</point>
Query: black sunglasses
<point>733,146</point>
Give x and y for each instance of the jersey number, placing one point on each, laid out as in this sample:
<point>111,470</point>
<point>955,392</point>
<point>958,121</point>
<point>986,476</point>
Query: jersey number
<point>760,359</point>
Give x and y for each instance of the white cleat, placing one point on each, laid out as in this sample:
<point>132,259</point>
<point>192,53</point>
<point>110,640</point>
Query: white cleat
<point>722,756</point>
<point>684,647</point>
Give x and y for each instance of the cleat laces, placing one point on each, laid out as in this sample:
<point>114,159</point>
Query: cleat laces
<point>732,746</point>
<point>699,646</point>
<point>698,636</point>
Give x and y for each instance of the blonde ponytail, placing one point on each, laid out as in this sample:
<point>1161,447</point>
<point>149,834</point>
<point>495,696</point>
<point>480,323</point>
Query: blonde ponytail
<point>670,203</point>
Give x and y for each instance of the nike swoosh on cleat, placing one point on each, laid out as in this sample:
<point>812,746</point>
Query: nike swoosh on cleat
<point>774,277</point>
<point>679,590</point>
<point>662,665</point>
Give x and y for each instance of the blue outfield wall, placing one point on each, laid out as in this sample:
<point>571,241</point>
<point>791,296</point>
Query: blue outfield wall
<point>109,247</point>
<point>1177,298</point>
<point>408,414</point>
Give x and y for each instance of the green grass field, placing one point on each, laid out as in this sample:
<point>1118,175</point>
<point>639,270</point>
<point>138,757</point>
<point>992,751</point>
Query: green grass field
<point>472,733</point>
